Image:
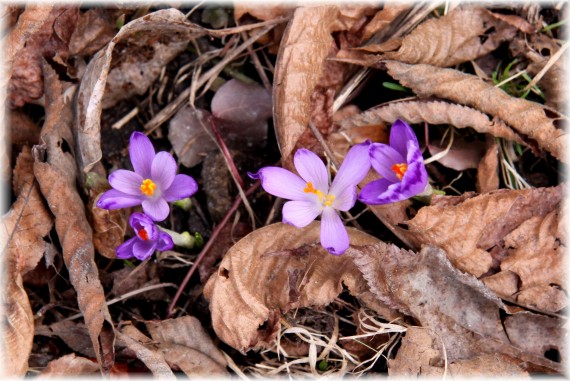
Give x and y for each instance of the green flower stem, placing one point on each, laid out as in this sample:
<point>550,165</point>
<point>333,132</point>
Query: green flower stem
<point>180,239</point>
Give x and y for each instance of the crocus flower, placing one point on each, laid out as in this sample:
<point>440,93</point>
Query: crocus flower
<point>153,184</point>
<point>148,238</point>
<point>312,196</point>
<point>401,166</point>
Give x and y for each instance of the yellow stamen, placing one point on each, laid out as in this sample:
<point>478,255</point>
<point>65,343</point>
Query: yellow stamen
<point>143,234</point>
<point>400,170</point>
<point>148,187</point>
<point>328,200</point>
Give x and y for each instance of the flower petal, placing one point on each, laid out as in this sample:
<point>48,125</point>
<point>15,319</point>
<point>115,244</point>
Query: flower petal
<point>353,169</point>
<point>163,170</point>
<point>282,183</point>
<point>127,182</point>
<point>300,213</point>
<point>415,179</point>
<point>164,242</point>
<point>143,249</point>
<point>140,221</point>
<point>382,191</point>
<point>400,135</point>
<point>383,157</point>
<point>114,199</point>
<point>142,154</point>
<point>183,186</point>
<point>125,250</point>
<point>157,209</point>
<point>312,169</point>
<point>345,199</point>
<point>334,236</point>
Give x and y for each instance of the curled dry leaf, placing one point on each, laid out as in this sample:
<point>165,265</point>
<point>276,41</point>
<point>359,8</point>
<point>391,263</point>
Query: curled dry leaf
<point>57,177</point>
<point>189,132</point>
<point>433,112</point>
<point>529,119</point>
<point>187,345</point>
<point>168,24</point>
<point>464,34</point>
<point>488,168</point>
<point>49,41</point>
<point>463,312</point>
<point>73,334</point>
<point>270,271</point>
<point>95,28</point>
<point>383,19</point>
<point>70,365</point>
<point>23,228</point>
<point>305,45</point>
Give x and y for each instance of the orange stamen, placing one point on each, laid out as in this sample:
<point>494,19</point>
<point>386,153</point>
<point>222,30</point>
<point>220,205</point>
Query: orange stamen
<point>143,234</point>
<point>400,170</point>
<point>148,187</point>
<point>328,200</point>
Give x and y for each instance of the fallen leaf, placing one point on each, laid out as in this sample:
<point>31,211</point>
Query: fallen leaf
<point>169,24</point>
<point>95,28</point>
<point>462,154</point>
<point>130,279</point>
<point>190,134</point>
<point>270,271</point>
<point>488,168</point>
<point>70,365</point>
<point>56,174</point>
<point>383,19</point>
<point>299,66</point>
<point>186,344</point>
<point>74,335</point>
<point>528,118</point>
<point>23,130</point>
<point>262,12</point>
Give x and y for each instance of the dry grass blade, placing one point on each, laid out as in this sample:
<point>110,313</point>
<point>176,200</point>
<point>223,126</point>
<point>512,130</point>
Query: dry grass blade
<point>529,119</point>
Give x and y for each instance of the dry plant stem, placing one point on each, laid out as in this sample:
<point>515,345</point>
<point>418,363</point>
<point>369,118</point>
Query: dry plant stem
<point>207,247</point>
<point>547,67</point>
<point>257,64</point>
<point>167,112</point>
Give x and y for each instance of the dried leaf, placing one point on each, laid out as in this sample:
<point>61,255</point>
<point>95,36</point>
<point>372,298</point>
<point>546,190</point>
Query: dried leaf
<point>488,168</point>
<point>468,230</point>
<point>462,154</point>
<point>70,365</point>
<point>189,132</point>
<point>130,279</point>
<point>57,177</point>
<point>270,271</point>
<point>529,119</point>
<point>243,108</point>
<point>95,28</point>
<point>464,34</point>
<point>302,52</point>
<point>171,24</point>
<point>261,12</point>
<point>432,112</point>
<point>186,344</point>
<point>50,41</point>
<point>383,19</point>
<point>74,335</point>
<point>23,130</point>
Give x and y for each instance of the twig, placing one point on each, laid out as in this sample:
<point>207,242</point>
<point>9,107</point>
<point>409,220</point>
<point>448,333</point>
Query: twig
<point>207,247</point>
<point>257,64</point>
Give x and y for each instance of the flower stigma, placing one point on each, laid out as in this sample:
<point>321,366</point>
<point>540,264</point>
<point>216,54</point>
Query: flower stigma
<point>148,187</point>
<point>325,200</point>
<point>143,234</point>
<point>400,170</point>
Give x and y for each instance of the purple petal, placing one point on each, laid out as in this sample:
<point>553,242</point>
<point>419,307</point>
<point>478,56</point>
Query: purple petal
<point>400,135</point>
<point>374,190</point>
<point>300,213</point>
<point>334,236</point>
<point>143,249</point>
<point>142,154</point>
<point>353,169</point>
<point>282,183</point>
<point>127,182</point>
<point>415,179</point>
<point>157,208</point>
<point>125,250</point>
<point>163,170</point>
<point>345,199</point>
<point>140,221</point>
<point>164,242</point>
<point>312,169</point>
<point>383,157</point>
<point>114,199</point>
<point>183,186</point>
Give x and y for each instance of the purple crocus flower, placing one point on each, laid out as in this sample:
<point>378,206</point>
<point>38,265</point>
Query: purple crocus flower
<point>401,166</point>
<point>312,196</point>
<point>148,238</point>
<point>153,184</point>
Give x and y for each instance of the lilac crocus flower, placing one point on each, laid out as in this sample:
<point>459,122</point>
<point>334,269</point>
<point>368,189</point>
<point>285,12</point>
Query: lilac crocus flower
<point>312,196</point>
<point>148,238</point>
<point>401,166</point>
<point>153,184</point>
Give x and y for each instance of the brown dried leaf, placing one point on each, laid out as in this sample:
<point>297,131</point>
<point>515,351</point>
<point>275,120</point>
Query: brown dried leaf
<point>261,12</point>
<point>188,134</point>
<point>464,34</point>
<point>529,119</point>
<point>299,66</point>
<point>130,279</point>
<point>74,335</point>
<point>433,112</point>
<point>462,154</point>
<point>49,41</point>
<point>57,176</point>
<point>488,168</point>
<point>95,28</point>
<point>23,130</point>
<point>186,344</point>
<point>463,312</point>
<point>169,25</point>
<point>70,365</point>
<point>272,270</point>
<point>383,19</point>
<point>469,230</point>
